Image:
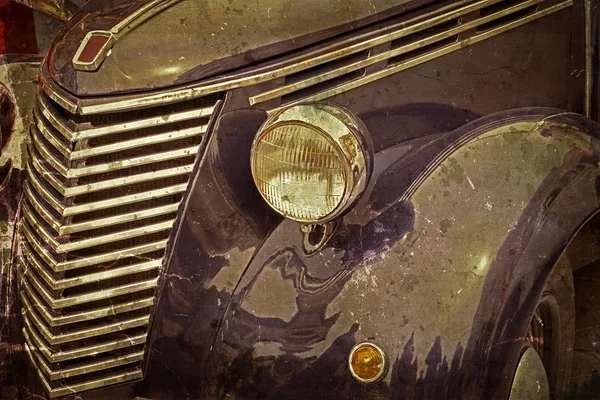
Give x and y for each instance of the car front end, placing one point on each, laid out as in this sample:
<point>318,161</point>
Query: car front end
<point>158,259</point>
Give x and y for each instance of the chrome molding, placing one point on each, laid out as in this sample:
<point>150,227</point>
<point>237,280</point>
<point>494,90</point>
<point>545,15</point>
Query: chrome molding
<point>328,54</point>
<point>100,198</point>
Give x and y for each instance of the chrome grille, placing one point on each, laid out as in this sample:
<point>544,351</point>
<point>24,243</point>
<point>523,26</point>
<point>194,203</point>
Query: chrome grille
<point>101,195</point>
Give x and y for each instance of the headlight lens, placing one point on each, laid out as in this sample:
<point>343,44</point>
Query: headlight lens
<point>300,172</point>
<point>309,162</point>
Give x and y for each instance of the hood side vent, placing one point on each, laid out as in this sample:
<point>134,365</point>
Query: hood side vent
<point>406,45</point>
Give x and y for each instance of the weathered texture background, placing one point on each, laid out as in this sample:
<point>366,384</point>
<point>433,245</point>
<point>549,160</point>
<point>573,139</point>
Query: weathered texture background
<point>27,29</point>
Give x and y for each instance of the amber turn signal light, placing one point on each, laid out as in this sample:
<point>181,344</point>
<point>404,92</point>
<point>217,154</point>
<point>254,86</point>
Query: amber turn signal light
<point>367,363</point>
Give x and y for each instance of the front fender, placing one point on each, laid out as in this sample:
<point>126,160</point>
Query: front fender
<point>441,263</point>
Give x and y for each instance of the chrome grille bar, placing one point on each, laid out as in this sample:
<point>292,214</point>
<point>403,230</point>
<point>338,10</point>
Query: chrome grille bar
<point>44,173</point>
<point>83,333</point>
<point>124,200</point>
<point>82,351</point>
<point>134,143</point>
<point>49,136</point>
<point>46,154</point>
<point>132,162</point>
<point>119,219</point>
<point>128,180</point>
<point>136,251</point>
<point>42,191</point>
<point>88,297</point>
<point>97,366</point>
<point>61,125</point>
<point>52,116</point>
<point>75,317</point>
<point>55,284</point>
<point>88,385</point>
<point>45,214</point>
<point>147,123</point>
<point>115,237</point>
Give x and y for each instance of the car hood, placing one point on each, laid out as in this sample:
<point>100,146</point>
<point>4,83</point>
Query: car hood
<point>191,39</point>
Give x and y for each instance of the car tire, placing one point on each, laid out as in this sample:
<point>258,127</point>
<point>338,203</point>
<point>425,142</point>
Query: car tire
<point>551,334</point>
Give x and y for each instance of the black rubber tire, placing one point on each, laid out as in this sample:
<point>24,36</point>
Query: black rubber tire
<point>557,307</point>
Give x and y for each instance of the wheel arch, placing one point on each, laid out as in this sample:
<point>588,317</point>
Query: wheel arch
<point>561,194</point>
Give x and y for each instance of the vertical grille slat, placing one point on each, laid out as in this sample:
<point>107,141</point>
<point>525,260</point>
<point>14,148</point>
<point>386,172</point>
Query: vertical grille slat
<point>100,199</point>
<point>56,142</point>
<point>42,191</point>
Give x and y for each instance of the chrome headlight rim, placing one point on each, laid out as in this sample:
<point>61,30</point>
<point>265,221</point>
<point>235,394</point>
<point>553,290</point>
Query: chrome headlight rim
<point>350,138</point>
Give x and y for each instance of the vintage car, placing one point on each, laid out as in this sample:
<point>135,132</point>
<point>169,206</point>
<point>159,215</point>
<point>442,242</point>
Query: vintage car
<point>308,199</point>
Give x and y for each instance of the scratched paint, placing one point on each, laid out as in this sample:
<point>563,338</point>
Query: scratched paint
<point>436,262</point>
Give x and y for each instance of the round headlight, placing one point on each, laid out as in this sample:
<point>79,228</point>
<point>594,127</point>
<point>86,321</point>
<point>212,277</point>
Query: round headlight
<point>310,162</point>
